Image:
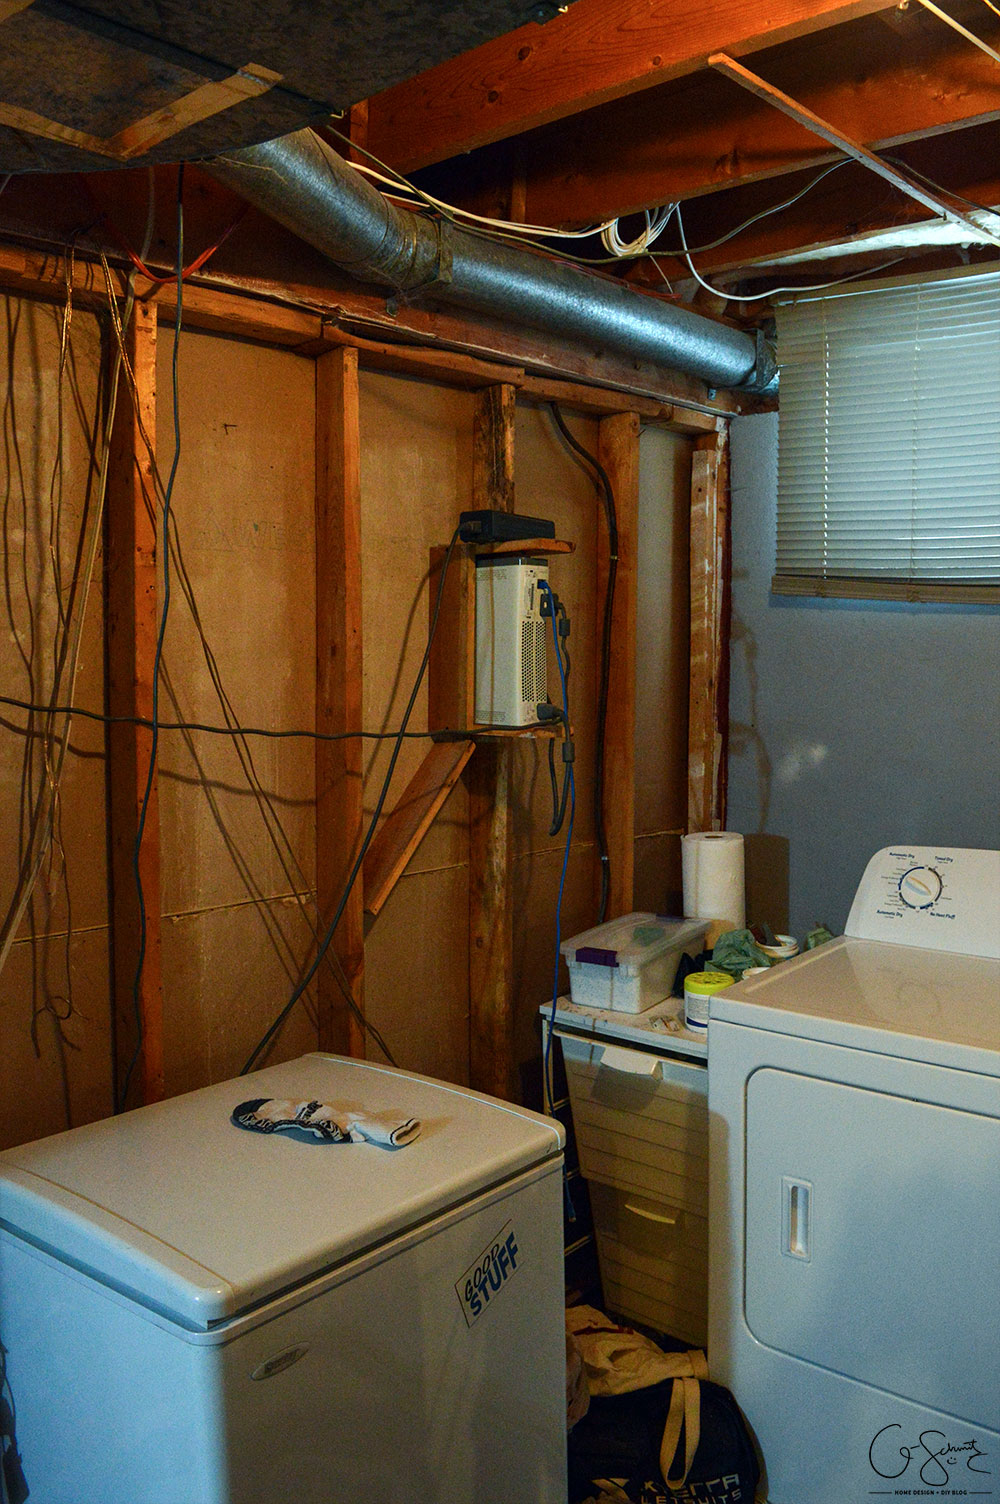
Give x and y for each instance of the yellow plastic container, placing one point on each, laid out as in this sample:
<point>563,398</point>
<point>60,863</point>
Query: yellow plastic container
<point>698,988</point>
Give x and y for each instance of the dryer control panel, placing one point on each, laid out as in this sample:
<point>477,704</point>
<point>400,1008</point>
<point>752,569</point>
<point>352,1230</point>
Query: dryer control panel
<point>939,898</point>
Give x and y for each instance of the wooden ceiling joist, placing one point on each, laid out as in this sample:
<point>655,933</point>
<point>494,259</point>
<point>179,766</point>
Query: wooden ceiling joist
<point>849,205</point>
<point>759,87</point>
<point>686,140</point>
<point>597,51</point>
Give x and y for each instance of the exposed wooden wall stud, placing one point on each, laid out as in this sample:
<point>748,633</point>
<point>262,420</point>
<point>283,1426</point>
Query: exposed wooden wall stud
<point>131,629</point>
<point>618,451</point>
<point>709,623</point>
<point>339,791</point>
<point>488,778</point>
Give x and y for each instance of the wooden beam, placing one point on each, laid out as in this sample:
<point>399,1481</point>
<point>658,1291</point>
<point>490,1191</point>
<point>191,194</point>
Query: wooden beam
<point>208,99</point>
<point>488,779</point>
<point>618,451</point>
<point>850,205</point>
<point>451,689</point>
<point>538,354</point>
<point>596,51</point>
<point>489,782</point>
<point>345,315</point>
<point>493,448</point>
<point>696,136</point>
<point>601,402</point>
<point>131,631</point>
<point>402,831</point>
<point>200,103</point>
<point>733,70</point>
<point>709,595</point>
<point>339,784</point>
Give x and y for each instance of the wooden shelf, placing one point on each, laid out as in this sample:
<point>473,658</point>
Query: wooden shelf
<point>524,546</point>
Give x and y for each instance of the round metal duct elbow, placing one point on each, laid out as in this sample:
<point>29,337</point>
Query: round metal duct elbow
<point>302,183</point>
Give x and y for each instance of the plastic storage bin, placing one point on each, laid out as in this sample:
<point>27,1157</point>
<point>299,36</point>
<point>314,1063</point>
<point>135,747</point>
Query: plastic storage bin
<point>641,1123</point>
<point>630,963</point>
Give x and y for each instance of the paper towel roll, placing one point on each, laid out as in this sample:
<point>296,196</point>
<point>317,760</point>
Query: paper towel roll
<point>712,871</point>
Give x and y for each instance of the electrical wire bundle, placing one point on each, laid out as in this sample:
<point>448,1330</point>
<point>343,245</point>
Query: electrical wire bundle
<point>169,550</point>
<point>549,239</point>
<point>40,812</point>
<point>656,223</point>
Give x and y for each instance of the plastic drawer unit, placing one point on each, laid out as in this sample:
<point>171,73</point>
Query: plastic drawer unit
<point>641,1122</point>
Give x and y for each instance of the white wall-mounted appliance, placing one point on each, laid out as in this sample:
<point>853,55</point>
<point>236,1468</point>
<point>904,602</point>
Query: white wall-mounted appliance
<point>195,1314</point>
<point>854,1100</point>
<point>511,658</point>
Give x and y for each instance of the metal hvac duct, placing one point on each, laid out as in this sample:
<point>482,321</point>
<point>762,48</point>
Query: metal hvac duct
<point>301,182</point>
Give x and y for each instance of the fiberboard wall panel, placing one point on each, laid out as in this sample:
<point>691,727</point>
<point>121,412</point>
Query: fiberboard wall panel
<point>243,508</point>
<point>416,476</point>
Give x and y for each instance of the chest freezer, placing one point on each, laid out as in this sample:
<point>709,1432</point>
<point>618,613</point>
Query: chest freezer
<point>196,1314</point>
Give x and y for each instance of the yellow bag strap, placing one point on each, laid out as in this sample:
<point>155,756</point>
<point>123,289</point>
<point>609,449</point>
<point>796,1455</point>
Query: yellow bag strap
<point>685,1408</point>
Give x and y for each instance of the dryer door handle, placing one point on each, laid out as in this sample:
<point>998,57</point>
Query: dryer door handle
<point>796,1218</point>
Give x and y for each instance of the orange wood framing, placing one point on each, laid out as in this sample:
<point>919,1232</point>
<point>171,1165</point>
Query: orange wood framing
<point>131,628</point>
<point>597,50</point>
<point>709,634</point>
<point>131,597</point>
<point>618,451</point>
<point>488,779</point>
<point>402,831</point>
<point>456,349</point>
<point>339,806</point>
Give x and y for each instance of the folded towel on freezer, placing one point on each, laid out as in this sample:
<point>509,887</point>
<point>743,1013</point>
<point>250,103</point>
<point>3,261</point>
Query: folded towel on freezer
<point>381,1128</point>
<point>320,1120</point>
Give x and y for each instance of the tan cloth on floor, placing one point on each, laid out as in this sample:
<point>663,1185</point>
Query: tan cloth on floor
<point>618,1359</point>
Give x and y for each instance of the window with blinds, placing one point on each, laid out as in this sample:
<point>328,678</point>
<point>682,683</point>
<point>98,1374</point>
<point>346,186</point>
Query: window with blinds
<point>889,440</point>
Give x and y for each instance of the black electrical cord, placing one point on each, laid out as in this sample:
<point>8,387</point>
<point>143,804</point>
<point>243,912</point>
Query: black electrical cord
<point>234,730</point>
<point>325,943</point>
<point>611,516</point>
<point>568,755</point>
<point>122,1096</point>
<point>550,712</point>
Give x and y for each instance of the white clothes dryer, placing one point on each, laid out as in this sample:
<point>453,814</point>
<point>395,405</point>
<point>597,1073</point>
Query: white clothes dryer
<point>854,1209</point>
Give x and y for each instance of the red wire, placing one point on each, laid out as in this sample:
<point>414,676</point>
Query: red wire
<point>188,270</point>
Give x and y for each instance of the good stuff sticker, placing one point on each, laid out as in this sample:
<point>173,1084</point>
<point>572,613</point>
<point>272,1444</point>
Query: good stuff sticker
<point>489,1275</point>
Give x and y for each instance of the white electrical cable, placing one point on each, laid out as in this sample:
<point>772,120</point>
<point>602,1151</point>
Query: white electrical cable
<point>399,183</point>
<point>656,223</point>
<point>656,220</point>
<point>786,203</point>
<point>770,292</point>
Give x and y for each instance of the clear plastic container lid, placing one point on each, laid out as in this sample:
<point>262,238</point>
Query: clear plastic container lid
<point>631,942</point>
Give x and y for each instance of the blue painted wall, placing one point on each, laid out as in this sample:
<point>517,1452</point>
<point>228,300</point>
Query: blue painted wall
<point>853,724</point>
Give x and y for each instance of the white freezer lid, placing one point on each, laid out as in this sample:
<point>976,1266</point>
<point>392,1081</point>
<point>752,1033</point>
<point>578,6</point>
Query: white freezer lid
<point>899,1000</point>
<point>198,1219</point>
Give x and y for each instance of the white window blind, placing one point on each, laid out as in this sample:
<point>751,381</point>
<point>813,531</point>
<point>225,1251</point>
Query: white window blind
<point>889,435</point>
